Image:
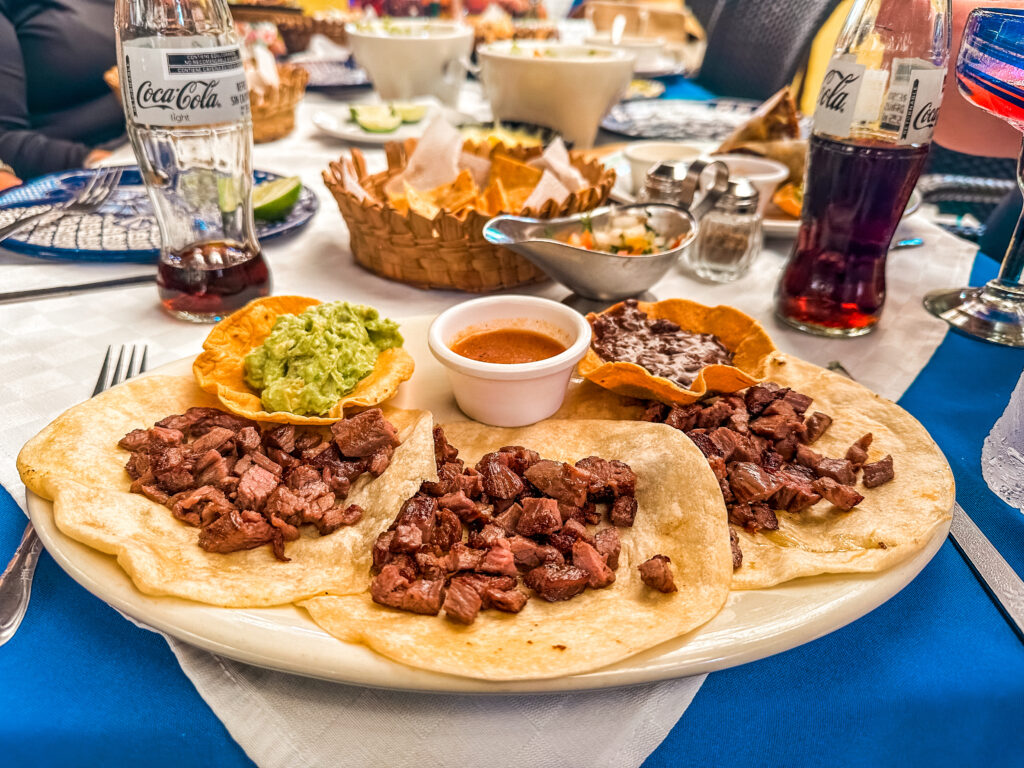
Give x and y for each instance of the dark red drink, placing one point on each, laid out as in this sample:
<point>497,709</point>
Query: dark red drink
<point>207,281</point>
<point>834,283</point>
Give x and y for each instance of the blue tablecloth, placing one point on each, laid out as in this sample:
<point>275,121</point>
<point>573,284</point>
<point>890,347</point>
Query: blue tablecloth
<point>933,678</point>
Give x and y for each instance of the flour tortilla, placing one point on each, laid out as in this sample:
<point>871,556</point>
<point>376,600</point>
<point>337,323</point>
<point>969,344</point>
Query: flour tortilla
<point>902,515</point>
<point>681,514</point>
<point>76,463</point>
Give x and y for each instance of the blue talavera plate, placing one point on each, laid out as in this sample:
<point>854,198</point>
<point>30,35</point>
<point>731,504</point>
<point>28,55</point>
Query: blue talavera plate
<point>122,229</point>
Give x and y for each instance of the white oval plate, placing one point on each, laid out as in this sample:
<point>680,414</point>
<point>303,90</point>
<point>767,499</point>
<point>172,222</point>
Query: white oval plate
<point>752,625</point>
<point>340,125</point>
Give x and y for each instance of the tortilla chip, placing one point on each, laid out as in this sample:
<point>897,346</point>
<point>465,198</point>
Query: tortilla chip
<point>76,463</point>
<point>421,203</point>
<point>494,200</point>
<point>517,197</point>
<point>456,195</point>
<point>741,334</point>
<point>220,368</point>
<point>902,514</point>
<point>513,173</point>
<point>681,515</point>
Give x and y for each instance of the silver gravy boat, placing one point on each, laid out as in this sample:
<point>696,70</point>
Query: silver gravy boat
<point>608,277</point>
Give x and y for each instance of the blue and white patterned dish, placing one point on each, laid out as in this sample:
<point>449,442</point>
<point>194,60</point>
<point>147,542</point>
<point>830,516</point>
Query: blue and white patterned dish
<point>678,119</point>
<point>325,74</point>
<point>123,229</point>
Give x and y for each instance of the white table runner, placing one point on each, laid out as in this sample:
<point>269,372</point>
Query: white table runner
<point>50,352</point>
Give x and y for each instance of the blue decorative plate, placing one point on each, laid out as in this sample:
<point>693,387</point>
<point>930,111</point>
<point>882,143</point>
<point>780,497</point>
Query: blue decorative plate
<point>678,119</point>
<point>334,74</point>
<point>122,229</point>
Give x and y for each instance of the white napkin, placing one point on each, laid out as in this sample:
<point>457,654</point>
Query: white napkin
<point>1002,456</point>
<point>548,188</point>
<point>556,160</point>
<point>434,162</point>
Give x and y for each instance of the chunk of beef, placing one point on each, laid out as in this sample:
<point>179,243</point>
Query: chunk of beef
<point>266,463</point>
<point>843,496</point>
<point>364,434</point>
<point>540,517</point>
<point>571,532</point>
<point>380,461</point>
<point>201,506</point>
<point>499,482</point>
<point>797,400</point>
<point>447,480</point>
<point>462,602</point>
<point>739,421</point>
<point>281,436</point>
<point>623,511</point>
<point>816,424</point>
<point>507,600</point>
<point>414,525</point>
<point>391,588</point>
<point>151,492</point>
<point>247,440</point>
<point>517,458</point>
<point>557,582</point>
<point>713,415</point>
<point>760,396</point>
<point>509,519</point>
<point>656,573</point>
<point>499,559</point>
<point>213,469</point>
<point>612,478</point>
<point>779,424</point>
<point>255,486</point>
<point>857,454</point>
<point>212,440</point>
<point>878,473</point>
<point>737,553</point>
<point>463,558</point>
<point>702,440</point>
<point>443,450</point>
<point>561,481</point>
<point>587,514</point>
<point>471,484</point>
<point>608,544</point>
<point>337,516</point>
<point>683,417</point>
<point>198,421</point>
<point>796,494</point>
<point>528,554</point>
<point>840,470</point>
<point>447,530</point>
<point>733,446</point>
<point>806,457</point>
<point>751,483</point>
<point>487,536</point>
<point>754,517</point>
<point>584,556</point>
<point>459,503</point>
<point>654,411</point>
<point>235,531</point>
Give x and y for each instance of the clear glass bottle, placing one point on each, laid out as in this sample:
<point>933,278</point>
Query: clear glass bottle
<point>729,238</point>
<point>873,125</point>
<point>186,105</point>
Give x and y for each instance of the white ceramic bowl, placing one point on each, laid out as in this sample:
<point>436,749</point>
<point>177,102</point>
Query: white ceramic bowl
<point>649,51</point>
<point>644,155</point>
<point>764,174</point>
<point>509,395</point>
<point>407,58</point>
<point>569,90</point>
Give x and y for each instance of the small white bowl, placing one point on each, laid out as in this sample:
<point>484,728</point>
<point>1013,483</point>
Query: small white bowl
<point>764,174</point>
<point>644,155</point>
<point>509,395</point>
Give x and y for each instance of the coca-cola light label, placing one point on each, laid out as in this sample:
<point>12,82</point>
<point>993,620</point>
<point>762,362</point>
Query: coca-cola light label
<point>912,104</point>
<point>838,97</point>
<point>183,86</point>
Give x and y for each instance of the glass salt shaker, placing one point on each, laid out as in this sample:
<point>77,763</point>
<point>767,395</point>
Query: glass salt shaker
<point>663,184</point>
<point>729,238</point>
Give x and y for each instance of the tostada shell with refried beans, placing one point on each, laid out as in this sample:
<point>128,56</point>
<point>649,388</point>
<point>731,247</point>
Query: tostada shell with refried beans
<point>742,335</point>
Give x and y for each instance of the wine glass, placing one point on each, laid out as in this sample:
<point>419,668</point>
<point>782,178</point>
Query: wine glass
<point>990,73</point>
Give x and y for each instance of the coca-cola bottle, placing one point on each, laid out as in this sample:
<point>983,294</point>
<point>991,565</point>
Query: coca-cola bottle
<point>186,102</point>
<point>872,128</point>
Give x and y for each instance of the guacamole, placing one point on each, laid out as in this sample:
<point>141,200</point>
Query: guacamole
<point>310,361</point>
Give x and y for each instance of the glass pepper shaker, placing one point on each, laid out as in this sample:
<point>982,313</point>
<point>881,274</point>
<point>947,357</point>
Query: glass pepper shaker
<point>729,238</point>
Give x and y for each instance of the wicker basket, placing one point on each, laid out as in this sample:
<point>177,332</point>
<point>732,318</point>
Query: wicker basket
<point>273,111</point>
<point>448,251</point>
<point>297,32</point>
<point>256,12</point>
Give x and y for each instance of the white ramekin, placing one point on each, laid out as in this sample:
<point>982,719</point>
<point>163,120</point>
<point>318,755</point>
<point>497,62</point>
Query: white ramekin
<point>517,394</point>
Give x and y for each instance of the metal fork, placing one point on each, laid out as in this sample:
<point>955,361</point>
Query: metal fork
<point>90,197</point>
<point>16,581</point>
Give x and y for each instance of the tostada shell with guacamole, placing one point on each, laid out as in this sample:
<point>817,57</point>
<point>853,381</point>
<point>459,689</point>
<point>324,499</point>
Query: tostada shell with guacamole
<point>674,351</point>
<point>295,360</point>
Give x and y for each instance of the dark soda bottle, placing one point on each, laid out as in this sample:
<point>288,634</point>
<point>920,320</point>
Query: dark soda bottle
<point>872,128</point>
<point>208,281</point>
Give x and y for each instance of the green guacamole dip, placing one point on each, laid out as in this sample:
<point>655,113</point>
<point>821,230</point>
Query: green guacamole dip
<point>312,360</point>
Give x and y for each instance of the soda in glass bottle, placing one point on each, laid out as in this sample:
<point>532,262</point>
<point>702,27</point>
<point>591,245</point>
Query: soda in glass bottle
<point>186,105</point>
<point>873,125</point>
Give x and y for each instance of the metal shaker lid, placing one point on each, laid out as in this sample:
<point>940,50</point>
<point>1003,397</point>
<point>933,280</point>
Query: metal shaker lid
<point>739,196</point>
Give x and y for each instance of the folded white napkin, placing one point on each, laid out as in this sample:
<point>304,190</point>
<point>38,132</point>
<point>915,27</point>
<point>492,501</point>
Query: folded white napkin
<point>1002,456</point>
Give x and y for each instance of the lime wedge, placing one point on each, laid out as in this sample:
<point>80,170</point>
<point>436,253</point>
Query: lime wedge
<point>376,118</point>
<point>228,195</point>
<point>410,113</point>
<point>274,199</point>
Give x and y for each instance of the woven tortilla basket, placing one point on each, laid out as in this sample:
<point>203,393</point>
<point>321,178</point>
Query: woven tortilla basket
<point>273,111</point>
<point>296,32</point>
<point>448,251</point>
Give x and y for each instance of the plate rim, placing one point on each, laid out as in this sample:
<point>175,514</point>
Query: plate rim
<point>321,656</point>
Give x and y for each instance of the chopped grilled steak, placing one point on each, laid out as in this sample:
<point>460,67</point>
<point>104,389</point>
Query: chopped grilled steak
<point>623,511</point>
<point>607,543</point>
<point>509,519</point>
<point>390,587</point>
<point>683,418</point>
<point>733,446</point>
<point>734,545</point>
<point>499,559</point>
<point>656,573</point>
<point>807,457</point>
<point>499,481</point>
<point>447,530</point>
<point>611,478</point>
<point>557,582</point>
<point>364,434</point>
<point>507,600</point>
<point>517,458</point>
<point>840,470</point>
<point>817,423</point>
<point>560,481</point>
<point>529,554</point>
<point>462,602</point>
<point>759,397</point>
<point>336,517</point>
<point>443,450</point>
<point>857,454</point>
<point>751,483</point>
<point>754,517</point>
<point>879,472</point>
<point>843,496</point>
<point>234,531</point>
<point>486,537</point>
<point>585,557</point>
<point>571,532</point>
<point>540,517</point>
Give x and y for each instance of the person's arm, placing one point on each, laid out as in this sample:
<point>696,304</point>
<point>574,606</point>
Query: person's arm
<point>29,152</point>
